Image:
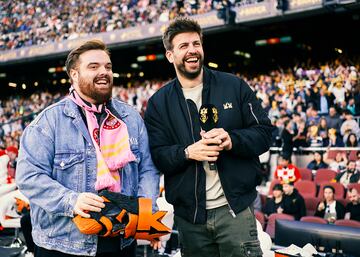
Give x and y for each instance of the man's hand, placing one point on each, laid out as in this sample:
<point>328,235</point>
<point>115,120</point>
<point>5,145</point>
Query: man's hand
<point>155,244</point>
<point>219,134</point>
<point>88,202</point>
<point>205,150</point>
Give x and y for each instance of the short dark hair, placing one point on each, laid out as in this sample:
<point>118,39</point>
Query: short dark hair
<point>73,56</point>
<point>178,26</point>
<point>330,187</point>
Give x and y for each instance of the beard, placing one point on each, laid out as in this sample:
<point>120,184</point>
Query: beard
<point>89,88</point>
<point>190,74</point>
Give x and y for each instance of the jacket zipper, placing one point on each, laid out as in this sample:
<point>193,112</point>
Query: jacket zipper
<point>253,114</point>
<point>196,167</point>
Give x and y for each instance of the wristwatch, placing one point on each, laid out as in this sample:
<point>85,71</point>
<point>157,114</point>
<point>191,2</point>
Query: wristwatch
<point>187,156</point>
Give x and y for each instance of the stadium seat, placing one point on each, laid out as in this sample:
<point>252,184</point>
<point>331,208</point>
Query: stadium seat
<point>261,218</point>
<point>324,175</point>
<point>270,228</point>
<point>306,188</point>
<point>306,174</point>
<point>352,155</point>
<point>339,190</point>
<point>272,184</point>
<point>314,219</point>
<point>348,223</point>
<point>311,204</point>
<point>354,185</point>
<point>332,153</point>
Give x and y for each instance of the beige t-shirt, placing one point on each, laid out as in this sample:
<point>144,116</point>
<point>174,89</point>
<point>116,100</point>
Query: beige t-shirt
<point>214,193</point>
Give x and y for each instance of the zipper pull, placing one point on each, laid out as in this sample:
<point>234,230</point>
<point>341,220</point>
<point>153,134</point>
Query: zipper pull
<point>232,213</point>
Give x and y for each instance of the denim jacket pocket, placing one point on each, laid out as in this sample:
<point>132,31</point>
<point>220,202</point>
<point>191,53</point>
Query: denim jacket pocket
<point>64,161</point>
<point>69,169</point>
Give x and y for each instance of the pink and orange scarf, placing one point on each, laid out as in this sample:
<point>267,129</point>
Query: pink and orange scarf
<point>112,150</point>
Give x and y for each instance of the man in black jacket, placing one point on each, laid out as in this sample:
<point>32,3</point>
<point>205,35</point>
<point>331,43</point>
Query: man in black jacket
<point>212,207</point>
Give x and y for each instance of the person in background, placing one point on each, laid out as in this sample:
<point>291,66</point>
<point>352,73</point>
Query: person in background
<point>329,208</point>
<point>350,175</point>
<point>275,203</point>
<point>286,171</point>
<point>353,208</point>
<point>317,162</point>
<point>337,164</point>
<point>293,202</point>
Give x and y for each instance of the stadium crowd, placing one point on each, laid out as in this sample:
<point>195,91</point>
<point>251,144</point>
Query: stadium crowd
<point>36,22</point>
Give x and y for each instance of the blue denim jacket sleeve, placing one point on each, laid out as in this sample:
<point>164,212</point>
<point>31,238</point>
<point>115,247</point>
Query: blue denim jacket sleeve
<point>33,173</point>
<point>148,173</point>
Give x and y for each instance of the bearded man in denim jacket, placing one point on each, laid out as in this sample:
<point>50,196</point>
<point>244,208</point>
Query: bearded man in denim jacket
<point>77,147</point>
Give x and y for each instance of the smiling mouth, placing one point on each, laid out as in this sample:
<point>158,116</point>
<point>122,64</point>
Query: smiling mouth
<point>102,81</point>
<point>192,60</point>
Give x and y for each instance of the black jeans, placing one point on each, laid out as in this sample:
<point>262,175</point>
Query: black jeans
<point>26,228</point>
<point>129,251</point>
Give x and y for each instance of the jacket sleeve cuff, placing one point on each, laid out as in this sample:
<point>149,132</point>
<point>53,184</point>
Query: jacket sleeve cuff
<point>70,202</point>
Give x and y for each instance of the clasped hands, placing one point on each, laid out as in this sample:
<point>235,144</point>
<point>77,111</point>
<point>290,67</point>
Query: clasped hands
<point>210,145</point>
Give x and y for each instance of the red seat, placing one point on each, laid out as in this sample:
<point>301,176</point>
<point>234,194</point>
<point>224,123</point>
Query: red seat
<point>324,175</point>
<point>306,188</point>
<point>354,185</point>
<point>272,184</point>
<point>332,153</point>
<point>343,201</point>
<point>314,219</point>
<point>270,228</point>
<point>261,218</point>
<point>306,174</point>
<point>352,155</point>
<point>311,204</point>
<point>348,223</point>
<point>339,190</point>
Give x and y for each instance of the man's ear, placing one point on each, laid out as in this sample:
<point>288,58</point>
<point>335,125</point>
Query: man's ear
<point>74,75</point>
<point>170,56</point>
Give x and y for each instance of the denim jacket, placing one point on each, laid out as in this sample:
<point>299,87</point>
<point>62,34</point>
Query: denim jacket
<point>57,161</point>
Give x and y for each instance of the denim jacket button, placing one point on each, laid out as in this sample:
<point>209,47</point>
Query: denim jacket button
<point>62,164</point>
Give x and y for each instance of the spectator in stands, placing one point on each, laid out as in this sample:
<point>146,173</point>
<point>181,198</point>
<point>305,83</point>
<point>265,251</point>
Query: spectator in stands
<point>350,175</point>
<point>358,161</point>
<point>287,136</point>
<point>293,202</point>
<point>12,152</point>
<point>333,120</point>
<point>353,208</point>
<point>324,102</point>
<point>275,203</point>
<point>334,139</point>
<point>61,166</point>
<point>352,141</point>
<point>286,171</point>
<point>313,138</point>
<point>329,208</point>
<point>317,162</point>
<point>300,137</point>
<point>322,127</point>
<point>349,126</point>
<point>338,164</point>
<point>181,153</point>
